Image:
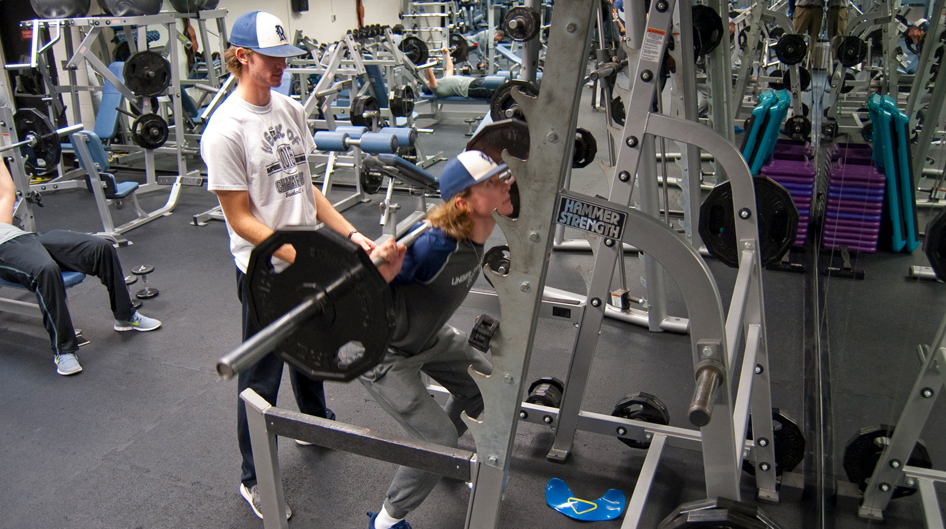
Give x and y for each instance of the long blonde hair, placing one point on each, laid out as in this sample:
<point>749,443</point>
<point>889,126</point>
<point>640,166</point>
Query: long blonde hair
<point>453,220</point>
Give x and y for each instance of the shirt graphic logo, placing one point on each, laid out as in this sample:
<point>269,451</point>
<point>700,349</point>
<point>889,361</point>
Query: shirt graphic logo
<point>286,159</point>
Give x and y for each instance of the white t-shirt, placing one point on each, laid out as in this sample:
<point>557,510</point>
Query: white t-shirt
<point>261,150</point>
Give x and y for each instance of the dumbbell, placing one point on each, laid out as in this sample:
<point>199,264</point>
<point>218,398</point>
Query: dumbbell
<point>131,280</point>
<point>146,292</point>
<point>344,138</point>
<point>472,122</point>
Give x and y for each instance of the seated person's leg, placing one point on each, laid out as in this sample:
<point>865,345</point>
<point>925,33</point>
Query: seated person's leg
<point>23,260</point>
<point>92,256</point>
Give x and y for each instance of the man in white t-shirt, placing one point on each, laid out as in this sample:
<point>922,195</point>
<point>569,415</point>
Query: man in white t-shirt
<point>255,147</point>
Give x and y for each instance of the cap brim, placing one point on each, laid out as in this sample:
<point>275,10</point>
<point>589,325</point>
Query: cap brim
<point>286,50</point>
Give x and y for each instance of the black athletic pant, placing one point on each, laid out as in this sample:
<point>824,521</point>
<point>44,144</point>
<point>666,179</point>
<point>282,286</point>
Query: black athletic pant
<point>264,377</point>
<point>478,90</point>
<point>37,260</point>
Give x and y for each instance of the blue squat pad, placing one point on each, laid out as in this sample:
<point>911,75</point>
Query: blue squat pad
<point>561,498</point>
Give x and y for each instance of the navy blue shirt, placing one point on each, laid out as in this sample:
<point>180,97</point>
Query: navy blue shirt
<point>437,274</point>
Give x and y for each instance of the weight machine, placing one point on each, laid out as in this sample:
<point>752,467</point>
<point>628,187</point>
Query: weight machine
<point>716,340</point>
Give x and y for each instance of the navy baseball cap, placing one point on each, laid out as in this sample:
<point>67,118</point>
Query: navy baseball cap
<point>263,33</point>
<point>467,169</point>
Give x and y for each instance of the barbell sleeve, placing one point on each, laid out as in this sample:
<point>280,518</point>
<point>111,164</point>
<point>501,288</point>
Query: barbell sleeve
<point>701,407</point>
<point>261,343</point>
<point>31,138</point>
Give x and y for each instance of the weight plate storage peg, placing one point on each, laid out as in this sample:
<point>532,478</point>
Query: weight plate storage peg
<point>641,407</point>
<point>707,29</point>
<point>546,391</point>
<point>354,306</point>
<point>934,244</point>
<point>521,23</point>
<point>149,131</point>
<point>789,443</point>
<point>415,49</point>
<point>864,449</point>
<point>147,73</point>
<point>503,106</point>
<point>851,51</point>
<point>777,220</point>
<point>791,49</point>
<point>45,150</point>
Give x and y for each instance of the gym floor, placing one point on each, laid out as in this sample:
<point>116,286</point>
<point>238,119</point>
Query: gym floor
<point>145,435</point>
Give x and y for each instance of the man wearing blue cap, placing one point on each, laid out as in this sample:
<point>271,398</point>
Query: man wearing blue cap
<point>255,147</point>
<point>439,270</point>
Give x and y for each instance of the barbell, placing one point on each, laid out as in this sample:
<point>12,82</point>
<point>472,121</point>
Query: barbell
<point>40,142</point>
<point>331,296</point>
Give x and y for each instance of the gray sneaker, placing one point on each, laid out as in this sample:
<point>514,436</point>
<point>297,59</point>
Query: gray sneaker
<point>137,322</point>
<point>67,364</point>
<point>251,495</point>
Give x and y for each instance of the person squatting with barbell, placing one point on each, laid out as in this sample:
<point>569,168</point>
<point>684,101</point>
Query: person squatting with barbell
<point>437,274</point>
<point>255,147</point>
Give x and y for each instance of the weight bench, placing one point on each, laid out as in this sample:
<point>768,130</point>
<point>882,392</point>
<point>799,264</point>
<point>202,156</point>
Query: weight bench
<point>26,308</point>
<point>420,181</point>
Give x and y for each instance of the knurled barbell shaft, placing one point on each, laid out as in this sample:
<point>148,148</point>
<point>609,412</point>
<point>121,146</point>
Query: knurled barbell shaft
<point>263,342</point>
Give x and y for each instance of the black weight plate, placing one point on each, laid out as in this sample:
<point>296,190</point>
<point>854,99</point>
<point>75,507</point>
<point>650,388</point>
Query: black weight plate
<point>777,218</point>
<point>618,113</point>
<point>934,244</point>
<point>460,48</point>
<point>846,86</point>
<point>44,154</point>
<point>586,148</point>
<point>779,84</point>
<point>851,51</point>
<point>641,407</point>
<point>867,132</point>
<point>509,134</point>
<point>798,127</point>
<point>147,73</point>
<point>776,33</point>
<point>358,108</point>
<point>526,22</point>
<point>497,259</point>
<point>791,49</point>
<point>804,79</point>
<point>362,311</point>
<point>743,38</point>
<point>415,49</point>
<point>370,181</point>
<point>503,106</point>
<point>864,449</point>
<point>546,391</point>
<point>707,29</point>
<point>789,443</point>
<point>149,131</point>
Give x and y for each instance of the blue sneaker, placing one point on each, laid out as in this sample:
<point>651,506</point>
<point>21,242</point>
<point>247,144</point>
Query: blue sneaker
<point>374,516</point>
<point>67,364</point>
<point>137,322</point>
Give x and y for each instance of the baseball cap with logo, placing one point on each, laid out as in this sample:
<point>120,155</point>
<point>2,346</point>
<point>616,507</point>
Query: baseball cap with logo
<point>467,169</point>
<point>923,24</point>
<point>263,33</point>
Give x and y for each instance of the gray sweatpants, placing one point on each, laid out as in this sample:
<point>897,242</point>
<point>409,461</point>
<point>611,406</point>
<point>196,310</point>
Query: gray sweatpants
<point>396,385</point>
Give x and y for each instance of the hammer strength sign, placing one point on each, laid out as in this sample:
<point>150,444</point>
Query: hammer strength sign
<point>591,218</point>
